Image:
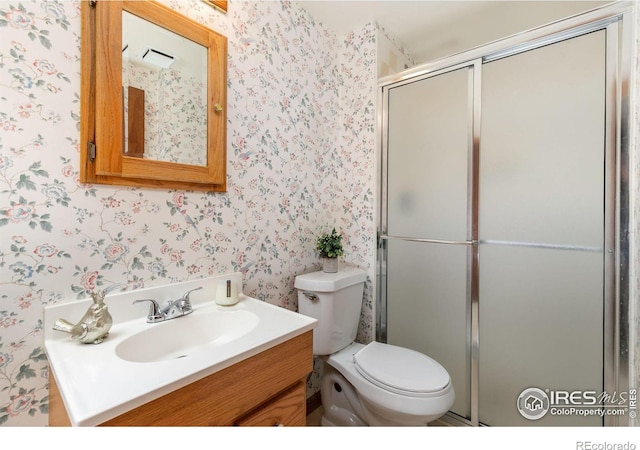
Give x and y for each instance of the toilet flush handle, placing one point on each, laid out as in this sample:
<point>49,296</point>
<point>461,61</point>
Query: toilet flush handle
<point>311,296</point>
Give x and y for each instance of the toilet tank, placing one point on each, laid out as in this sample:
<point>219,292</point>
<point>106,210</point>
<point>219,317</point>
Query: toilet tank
<point>335,300</point>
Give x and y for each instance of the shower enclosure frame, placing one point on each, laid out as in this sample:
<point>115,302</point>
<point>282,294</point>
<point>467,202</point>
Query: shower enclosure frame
<point>616,20</point>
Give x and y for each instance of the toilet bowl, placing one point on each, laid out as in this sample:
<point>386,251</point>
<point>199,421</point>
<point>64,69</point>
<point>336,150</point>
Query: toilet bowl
<point>408,389</point>
<point>375,384</point>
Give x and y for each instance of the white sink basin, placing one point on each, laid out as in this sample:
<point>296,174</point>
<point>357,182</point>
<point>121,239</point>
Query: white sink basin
<point>140,361</point>
<point>181,337</point>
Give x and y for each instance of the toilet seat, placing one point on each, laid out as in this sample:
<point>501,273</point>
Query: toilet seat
<point>401,370</point>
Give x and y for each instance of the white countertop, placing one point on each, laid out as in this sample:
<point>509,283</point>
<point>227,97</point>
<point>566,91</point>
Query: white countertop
<point>96,385</point>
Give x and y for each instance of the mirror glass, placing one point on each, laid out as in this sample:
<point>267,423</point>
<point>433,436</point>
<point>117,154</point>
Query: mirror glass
<point>164,78</point>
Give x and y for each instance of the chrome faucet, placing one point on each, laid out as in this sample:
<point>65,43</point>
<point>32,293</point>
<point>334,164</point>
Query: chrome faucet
<point>175,308</point>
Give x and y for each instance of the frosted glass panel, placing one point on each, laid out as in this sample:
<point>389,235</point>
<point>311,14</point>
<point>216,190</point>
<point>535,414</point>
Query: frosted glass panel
<point>542,145</point>
<point>541,321</point>
<point>428,145</point>
<point>427,312</point>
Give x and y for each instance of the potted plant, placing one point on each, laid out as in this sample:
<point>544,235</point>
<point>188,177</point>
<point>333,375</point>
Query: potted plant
<point>329,248</point>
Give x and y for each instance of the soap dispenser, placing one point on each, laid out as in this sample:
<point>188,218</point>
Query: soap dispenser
<point>227,293</point>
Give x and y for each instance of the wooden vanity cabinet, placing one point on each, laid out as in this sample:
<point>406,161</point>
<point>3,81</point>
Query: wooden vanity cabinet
<point>268,389</point>
<point>286,409</point>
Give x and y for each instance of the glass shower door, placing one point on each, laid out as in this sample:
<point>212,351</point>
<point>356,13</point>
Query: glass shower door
<point>504,224</point>
<point>541,228</point>
<point>427,246</point>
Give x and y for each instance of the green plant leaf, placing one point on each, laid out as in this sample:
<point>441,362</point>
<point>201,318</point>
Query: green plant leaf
<point>329,245</point>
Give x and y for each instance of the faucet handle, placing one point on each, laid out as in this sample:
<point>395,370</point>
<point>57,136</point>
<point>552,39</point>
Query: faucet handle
<point>185,296</point>
<point>154,310</point>
<point>185,303</point>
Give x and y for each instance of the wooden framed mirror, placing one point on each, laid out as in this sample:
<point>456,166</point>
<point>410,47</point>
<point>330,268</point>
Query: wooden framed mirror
<point>153,98</point>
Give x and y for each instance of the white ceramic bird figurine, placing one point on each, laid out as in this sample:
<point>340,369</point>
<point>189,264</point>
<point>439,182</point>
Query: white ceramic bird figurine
<point>94,326</point>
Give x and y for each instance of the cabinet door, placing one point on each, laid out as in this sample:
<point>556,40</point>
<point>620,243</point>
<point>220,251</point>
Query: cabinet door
<point>287,409</point>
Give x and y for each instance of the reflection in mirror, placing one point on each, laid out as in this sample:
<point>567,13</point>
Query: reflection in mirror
<point>164,79</point>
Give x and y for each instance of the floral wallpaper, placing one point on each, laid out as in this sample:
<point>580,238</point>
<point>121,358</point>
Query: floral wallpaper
<point>301,158</point>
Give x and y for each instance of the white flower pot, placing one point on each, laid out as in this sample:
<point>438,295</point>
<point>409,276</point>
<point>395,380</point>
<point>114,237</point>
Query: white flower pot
<point>330,265</point>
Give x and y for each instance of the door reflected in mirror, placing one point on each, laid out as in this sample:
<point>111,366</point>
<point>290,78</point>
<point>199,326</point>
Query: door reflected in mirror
<point>164,78</point>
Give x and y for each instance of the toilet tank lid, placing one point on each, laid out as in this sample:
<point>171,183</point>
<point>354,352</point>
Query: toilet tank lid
<point>330,282</point>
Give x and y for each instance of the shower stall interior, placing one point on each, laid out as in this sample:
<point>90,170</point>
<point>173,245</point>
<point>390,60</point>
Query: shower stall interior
<point>504,203</point>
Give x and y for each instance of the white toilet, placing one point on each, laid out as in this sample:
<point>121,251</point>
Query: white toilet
<point>374,384</point>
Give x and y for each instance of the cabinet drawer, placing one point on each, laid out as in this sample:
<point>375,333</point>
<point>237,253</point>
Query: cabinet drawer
<point>287,409</point>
